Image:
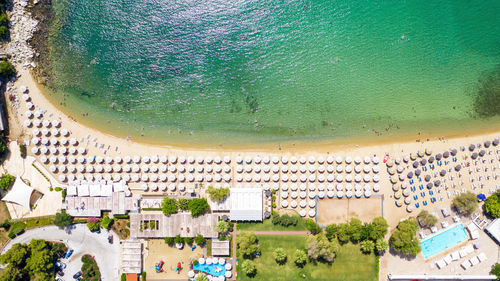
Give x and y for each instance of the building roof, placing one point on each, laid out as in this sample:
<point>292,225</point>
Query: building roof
<point>246,204</point>
<point>494,230</point>
<point>220,248</point>
<point>20,194</point>
<point>131,258</point>
<point>132,277</point>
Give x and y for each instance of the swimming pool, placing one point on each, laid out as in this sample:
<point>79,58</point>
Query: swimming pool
<point>212,269</point>
<point>443,240</point>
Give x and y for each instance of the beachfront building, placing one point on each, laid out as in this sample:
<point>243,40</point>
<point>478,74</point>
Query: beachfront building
<point>246,204</point>
<point>493,230</point>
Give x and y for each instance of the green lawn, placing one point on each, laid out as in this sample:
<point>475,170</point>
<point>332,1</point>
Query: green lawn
<point>350,264</point>
<point>267,225</point>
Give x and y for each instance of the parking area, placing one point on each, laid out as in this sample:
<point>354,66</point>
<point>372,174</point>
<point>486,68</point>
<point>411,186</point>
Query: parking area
<point>82,241</point>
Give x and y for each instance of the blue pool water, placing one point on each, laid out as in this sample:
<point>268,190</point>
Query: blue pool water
<point>443,241</point>
<point>212,269</point>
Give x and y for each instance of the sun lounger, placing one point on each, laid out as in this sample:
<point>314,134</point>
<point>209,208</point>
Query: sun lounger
<point>469,249</point>
<point>474,235</point>
<point>456,219</point>
<point>422,234</point>
<point>440,263</point>
<point>474,261</point>
<point>465,264</point>
<point>455,256</point>
<point>434,229</point>
<point>462,252</point>
<point>482,257</point>
<point>448,259</point>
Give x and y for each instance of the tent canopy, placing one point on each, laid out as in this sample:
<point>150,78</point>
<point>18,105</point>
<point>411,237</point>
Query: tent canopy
<point>19,194</point>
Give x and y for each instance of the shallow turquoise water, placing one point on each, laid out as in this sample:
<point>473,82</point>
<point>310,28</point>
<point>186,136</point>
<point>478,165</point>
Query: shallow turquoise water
<point>443,241</point>
<point>236,72</point>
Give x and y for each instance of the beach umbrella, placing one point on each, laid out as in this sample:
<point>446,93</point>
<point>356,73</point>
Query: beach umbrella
<point>81,150</point>
<point>145,159</point>
<point>338,160</point>
<point>53,150</point>
<point>439,156</point>
<point>73,141</point>
<point>72,159</point>
<point>400,169</point>
<point>453,152</point>
<point>375,160</point>
<point>109,160</point>
<point>458,167</point>
<point>90,168</point>
<point>81,168</point>
<point>409,208</point>
<point>312,159</point>
<point>396,187</point>
<point>27,123</point>
<point>26,97</point>
<point>482,152</point>
<point>62,159</point>
<point>53,159</point>
<point>431,159</point>
<point>428,151</point>
<point>487,144</point>
<point>394,180</point>
<point>474,155</point>
<point>53,168</point>
<point>64,141</point>
<point>45,141</point>
<point>137,159</point>
<point>442,173</point>
<point>472,147</point>
<point>173,159</point>
<point>406,158</point>
<point>423,162</point>
<point>495,142</point>
<point>155,159</point>
<point>99,168</point>
<point>389,163</point>
<point>99,159</point>
<point>29,105</point>
<point>357,160</point>
<point>64,132</point>
<point>44,150</point>
<point>46,123</point>
<point>34,150</point>
<point>127,159</point>
<point>437,182</point>
<point>163,159</point>
<point>36,132</point>
<point>427,178</point>
<point>446,154</point>
<point>420,153</point>
<point>55,132</point>
<point>37,123</point>
<point>35,141</point>
<point>321,160</point>
<point>23,89</point>
<point>397,195</point>
<point>329,160</point>
<point>72,150</point>
<point>182,159</point>
<point>415,164</point>
<point>43,159</point>
<point>429,185</point>
<point>410,175</point>
<point>55,123</point>
<point>45,132</point>
<point>81,159</point>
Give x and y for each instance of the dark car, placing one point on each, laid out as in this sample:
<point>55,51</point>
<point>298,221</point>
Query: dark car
<point>110,239</point>
<point>68,254</point>
<point>77,275</point>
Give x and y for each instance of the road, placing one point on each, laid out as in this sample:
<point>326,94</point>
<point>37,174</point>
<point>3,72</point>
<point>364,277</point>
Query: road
<point>82,241</point>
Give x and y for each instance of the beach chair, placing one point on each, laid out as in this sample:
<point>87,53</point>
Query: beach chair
<point>447,259</point>
<point>474,261</point>
<point>440,263</point>
<point>465,264</point>
<point>417,205</point>
<point>482,257</point>
<point>424,203</point>
<point>455,256</point>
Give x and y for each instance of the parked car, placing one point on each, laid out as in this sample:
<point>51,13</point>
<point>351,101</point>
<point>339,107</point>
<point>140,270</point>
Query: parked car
<point>59,279</point>
<point>61,265</point>
<point>68,254</point>
<point>77,275</point>
<point>110,239</point>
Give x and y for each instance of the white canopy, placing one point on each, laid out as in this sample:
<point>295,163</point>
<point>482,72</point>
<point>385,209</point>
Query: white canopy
<point>94,190</point>
<point>19,194</point>
<point>106,190</point>
<point>71,191</point>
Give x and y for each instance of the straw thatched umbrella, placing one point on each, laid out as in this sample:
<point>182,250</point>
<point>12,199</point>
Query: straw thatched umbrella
<point>427,178</point>
<point>474,156</point>
<point>420,153</point>
<point>431,159</point>
<point>458,167</point>
<point>429,185</point>
<point>495,142</point>
<point>394,179</point>
<point>396,187</point>
<point>446,154</point>
<point>482,152</point>
<point>409,208</point>
<point>472,147</point>
<point>406,192</point>
<point>391,171</point>
<point>453,152</point>
<point>428,151</point>
<point>397,195</point>
<point>400,169</point>
<point>410,175</point>
<point>389,163</point>
<point>442,173</point>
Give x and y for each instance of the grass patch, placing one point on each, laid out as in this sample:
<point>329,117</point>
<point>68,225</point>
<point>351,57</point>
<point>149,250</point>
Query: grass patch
<point>350,264</point>
<point>4,215</point>
<point>267,225</point>
<point>38,222</point>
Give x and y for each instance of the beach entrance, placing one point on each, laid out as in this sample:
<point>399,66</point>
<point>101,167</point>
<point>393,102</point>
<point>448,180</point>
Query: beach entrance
<point>338,211</point>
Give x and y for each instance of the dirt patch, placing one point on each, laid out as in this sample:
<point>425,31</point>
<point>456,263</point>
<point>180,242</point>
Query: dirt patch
<point>335,210</point>
<point>122,228</point>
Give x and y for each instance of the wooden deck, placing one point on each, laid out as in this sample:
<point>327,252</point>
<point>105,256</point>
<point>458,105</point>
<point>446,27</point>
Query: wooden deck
<point>177,224</point>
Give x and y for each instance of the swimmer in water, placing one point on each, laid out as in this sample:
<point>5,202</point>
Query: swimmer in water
<point>403,36</point>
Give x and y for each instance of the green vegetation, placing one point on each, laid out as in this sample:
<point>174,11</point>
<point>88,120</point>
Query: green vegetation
<point>178,239</point>
<point>319,248</point>
<point>492,205</point>
<point>198,206</point>
<point>199,240</point>
<point>313,227</point>
<point>496,271</point>
<point>16,229</point>
<point>38,222</point>
<point>63,220</point>
<point>169,241</point>
<point>465,203</point>
<point>381,245</point>
<point>403,239</point>
<point>6,68</point>
<point>143,276</point>
<point>22,150</point>
<point>218,194</point>
<point>248,267</point>
<point>367,246</point>
<point>4,31</point>
<point>188,240</point>
<point>169,206</point>
<point>90,270</point>
<point>184,204</point>
<point>107,222</point>
<point>222,227</point>
<point>6,181</point>
<point>4,22</point>
<point>93,224</point>
<point>284,220</point>
<point>487,96</point>
<point>280,255</point>
<point>349,264</point>
<point>300,258</point>
<point>123,277</point>
<point>427,219</point>
<point>201,277</point>
<point>247,244</point>
<point>34,261</point>
<point>270,225</point>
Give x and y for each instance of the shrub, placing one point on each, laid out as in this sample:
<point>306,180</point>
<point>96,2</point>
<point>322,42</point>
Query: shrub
<point>169,240</point>
<point>63,194</point>
<point>184,204</point>
<point>143,276</point>
<point>93,224</point>
<point>427,219</point>
<point>313,227</point>
<point>188,240</point>
<point>355,229</point>
<point>218,194</point>
<point>201,277</point>
<point>300,258</point>
<point>63,220</point>
<point>274,204</point>
<point>199,240</point>
<point>249,268</point>
<point>4,31</point>
<point>247,244</point>
<point>198,206</point>
<point>169,206</point>
<point>16,228</point>
<point>6,181</point>
<point>222,227</point>
<point>22,150</point>
<point>367,246</point>
<point>178,239</point>
<point>496,270</point>
<point>465,203</point>
<point>107,222</point>
<point>6,68</point>
<point>195,262</point>
<point>57,188</point>
<point>279,255</point>
<point>381,245</point>
<point>320,249</point>
<point>492,205</point>
<point>123,277</point>
<point>6,224</point>
<point>403,239</point>
<point>3,18</point>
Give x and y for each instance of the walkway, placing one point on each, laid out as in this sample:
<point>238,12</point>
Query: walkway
<point>82,241</point>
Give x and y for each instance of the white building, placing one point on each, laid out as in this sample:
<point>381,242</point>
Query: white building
<point>246,204</point>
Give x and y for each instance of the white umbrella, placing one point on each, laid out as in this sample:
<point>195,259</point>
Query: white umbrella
<point>99,159</point>
<point>109,160</point>
<point>44,150</point>
<point>27,123</point>
<point>29,105</point>
<point>227,159</point>
<point>171,187</point>
<point>135,178</point>
<point>64,141</point>
<point>82,150</point>
<point>62,178</point>
<point>45,132</point>
<point>99,168</point>
<point>46,123</point>
<point>117,168</point>
<point>35,141</point>
<point>23,89</point>
<point>36,132</point>
<point>37,123</point>
<point>90,168</point>
<point>118,159</point>
<point>72,159</point>
<point>55,132</point>
<point>81,159</point>
<point>145,159</point>
<point>34,150</point>
<point>81,168</point>
<point>64,132</point>
<point>45,141</point>
<point>53,159</point>
<point>43,159</point>
<point>26,97</point>
<point>73,141</point>
<point>53,150</point>
<point>72,150</point>
<point>55,123</point>
<point>173,159</point>
<point>108,169</point>
<point>137,159</point>
<point>154,159</point>
<point>53,168</point>
<point>163,159</point>
<point>62,159</point>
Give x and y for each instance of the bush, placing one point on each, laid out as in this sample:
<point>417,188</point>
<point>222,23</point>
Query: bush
<point>6,68</point>
<point>222,227</point>
<point>195,262</point>
<point>6,181</point>
<point>6,224</point>
<point>496,270</point>
<point>63,220</point>
<point>106,222</point>
<point>188,240</point>
<point>284,220</point>
<point>143,276</point>
<point>22,150</point>
<point>279,255</point>
<point>201,277</point>
<point>465,203</point>
<point>57,188</point>
<point>169,206</point>
<point>249,268</point>
<point>355,229</point>
<point>93,224</point>
<point>300,258</point>
<point>3,18</point>
<point>403,239</point>
<point>313,227</point>
<point>169,240</point>
<point>381,245</point>
<point>319,248</point>
<point>248,244</point>
<point>184,204</point>
<point>367,246</point>
<point>178,239</point>
<point>427,219</point>
<point>198,206</point>
<point>63,194</point>
<point>123,277</point>
<point>4,31</point>
<point>218,194</point>
<point>199,240</point>
<point>492,205</point>
<point>16,229</point>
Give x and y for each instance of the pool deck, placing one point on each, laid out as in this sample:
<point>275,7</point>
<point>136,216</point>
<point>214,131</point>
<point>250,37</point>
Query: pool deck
<point>447,249</point>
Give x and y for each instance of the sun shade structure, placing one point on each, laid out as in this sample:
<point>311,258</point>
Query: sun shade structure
<point>246,204</point>
<point>19,194</point>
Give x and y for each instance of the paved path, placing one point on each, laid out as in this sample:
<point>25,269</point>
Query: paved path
<point>234,250</point>
<point>281,232</point>
<point>82,241</point>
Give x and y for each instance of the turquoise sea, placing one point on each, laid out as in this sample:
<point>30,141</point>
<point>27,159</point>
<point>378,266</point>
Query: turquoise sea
<point>244,71</point>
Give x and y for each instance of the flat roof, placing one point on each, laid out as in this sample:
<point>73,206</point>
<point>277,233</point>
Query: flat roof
<point>246,204</point>
<point>220,248</point>
<point>131,257</point>
<point>494,230</point>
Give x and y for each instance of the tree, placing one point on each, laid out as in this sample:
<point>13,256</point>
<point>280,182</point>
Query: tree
<point>93,224</point>
<point>331,231</point>
<point>381,245</point>
<point>6,68</point>
<point>320,249</point>
<point>380,227</point>
<point>313,227</point>
<point>367,246</point>
<point>279,255</point>
<point>249,268</point>
<point>6,181</point>
<point>198,206</point>
<point>63,220</point>
<point>492,205</point>
<point>15,256</point>
<point>496,271</point>
<point>300,258</point>
<point>222,227</point>
<point>343,232</point>
<point>199,240</point>
<point>169,206</point>
<point>4,31</point>
<point>354,230</point>
<point>188,240</point>
<point>12,273</point>
<point>178,239</point>
<point>247,244</point>
<point>169,240</point>
<point>107,222</point>
<point>201,277</point>
<point>184,204</point>
<point>218,194</point>
<point>403,239</point>
<point>465,203</point>
<point>426,219</point>
<point>3,18</point>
